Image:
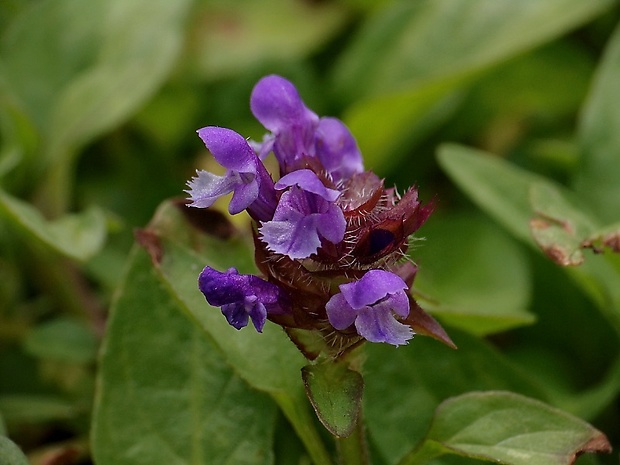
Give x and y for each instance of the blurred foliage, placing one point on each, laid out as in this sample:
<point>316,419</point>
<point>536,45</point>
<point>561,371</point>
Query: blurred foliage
<point>99,101</point>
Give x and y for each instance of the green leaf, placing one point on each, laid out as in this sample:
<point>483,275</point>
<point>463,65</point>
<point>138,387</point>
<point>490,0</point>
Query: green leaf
<point>479,282</point>
<point>507,428</point>
<point>405,43</point>
<point>420,376</point>
<point>10,454</point>
<point>231,37</point>
<point>268,361</point>
<point>44,47</point>
<point>78,236</point>
<point>597,180</point>
<point>181,241</point>
<point>503,191</point>
<point>62,339</point>
<point>335,392</point>
<point>78,70</point>
<point>402,67</point>
<point>496,186</point>
<point>140,42</point>
<point>166,394</point>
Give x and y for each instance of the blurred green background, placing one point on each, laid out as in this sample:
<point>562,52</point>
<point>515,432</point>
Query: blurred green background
<point>100,100</point>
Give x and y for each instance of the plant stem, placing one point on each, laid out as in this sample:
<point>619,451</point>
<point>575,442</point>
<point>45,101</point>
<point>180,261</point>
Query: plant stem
<point>303,423</point>
<point>353,450</point>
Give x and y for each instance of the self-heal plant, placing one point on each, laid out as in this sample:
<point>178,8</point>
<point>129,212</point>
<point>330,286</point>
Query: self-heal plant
<point>331,240</point>
<point>331,243</point>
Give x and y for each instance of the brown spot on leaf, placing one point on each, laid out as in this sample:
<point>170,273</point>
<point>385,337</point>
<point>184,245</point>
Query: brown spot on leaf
<point>151,243</point>
<point>612,241</point>
<point>553,238</point>
<point>539,223</point>
<point>561,256</point>
<point>597,445</point>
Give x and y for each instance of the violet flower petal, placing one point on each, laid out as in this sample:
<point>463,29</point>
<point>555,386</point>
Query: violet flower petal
<point>341,315</point>
<point>307,180</point>
<point>241,296</point>
<point>372,287</point>
<point>337,150</point>
<point>276,103</point>
<point>242,193</point>
<point>300,220</point>
<point>297,238</point>
<point>371,304</point>
<point>206,188</point>
<point>230,149</point>
<point>380,326</point>
<point>246,177</point>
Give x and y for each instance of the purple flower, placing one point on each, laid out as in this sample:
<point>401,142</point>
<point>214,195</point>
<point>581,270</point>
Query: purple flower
<point>242,296</point>
<point>246,177</point>
<point>277,105</point>
<point>325,222</point>
<point>299,134</point>
<point>372,304</point>
<point>305,214</point>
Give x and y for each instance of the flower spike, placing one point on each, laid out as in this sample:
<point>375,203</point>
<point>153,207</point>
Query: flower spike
<point>330,239</point>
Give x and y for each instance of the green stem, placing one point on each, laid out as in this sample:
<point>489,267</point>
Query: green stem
<point>353,450</point>
<point>54,195</point>
<point>303,423</point>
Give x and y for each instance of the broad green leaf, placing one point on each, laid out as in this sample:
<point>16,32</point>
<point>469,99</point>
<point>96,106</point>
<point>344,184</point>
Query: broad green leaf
<point>78,69</point>
<point>2,426</point>
<point>166,394</point>
<point>420,376</point>
<point>78,236</point>
<point>62,339</point>
<point>598,179</point>
<point>45,46</point>
<point>402,67</point>
<point>10,454</point>
<point>231,37</point>
<point>140,42</point>
<point>472,275</point>
<point>336,395</point>
<point>181,242</point>
<point>506,428</point>
<point>405,43</point>
<point>503,191</point>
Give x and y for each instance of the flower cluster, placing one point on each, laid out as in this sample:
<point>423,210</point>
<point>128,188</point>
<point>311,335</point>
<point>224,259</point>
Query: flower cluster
<point>330,239</point>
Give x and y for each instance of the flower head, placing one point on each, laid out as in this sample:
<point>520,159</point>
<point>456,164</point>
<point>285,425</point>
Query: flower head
<point>330,239</point>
